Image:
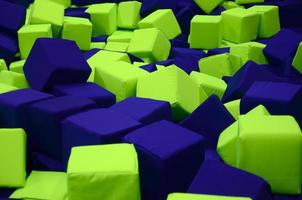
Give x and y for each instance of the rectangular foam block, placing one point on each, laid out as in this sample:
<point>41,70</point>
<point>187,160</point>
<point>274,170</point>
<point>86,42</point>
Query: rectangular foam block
<point>128,14</point>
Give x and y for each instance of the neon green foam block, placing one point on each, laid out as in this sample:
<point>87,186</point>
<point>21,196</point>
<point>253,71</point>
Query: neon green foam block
<point>186,196</point>
<point>17,66</point>
<point>155,48</point>
<point>208,6</point>
<point>240,25</point>
<point>79,30</point>
<point>164,20</point>
<point>209,84</point>
<point>230,4</point>
<point>48,12</point>
<point>14,79</point>
<point>65,3</point>
<point>117,46</point>
<point>128,14</point>
<point>4,88</point>
<point>103,17</point>
<point>173,85</point>
<point>27,17</point>
<point>43,185</point>
<point>97,45</point>
<point>3,65</point>
<point>249,146</point>
<point>120,36</point>
<point>297,62</point>
<point>27,36</point>
<point>120,78</point>
<point>248,1</point>
<point>201,39</point>
<point>269,20</point>
<point>234,108</point>
<point>13,157</point>
<point>113,168</point>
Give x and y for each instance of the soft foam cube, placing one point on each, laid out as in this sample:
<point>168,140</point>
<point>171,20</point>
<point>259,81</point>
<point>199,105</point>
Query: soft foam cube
<point>13,157</point>
<point>79,30</point>
<point>14,79</point>
<point>17,66</point>
<point>206,32</point>
<point>103,18</point>
<point>113,167</point>
<point>156,48</point>
<point>120,36</point>
<point>240,25</point>
<point>65,3</point>
<point>8,47</point>
<point>117,46</point>
<point>3,65</point>
<point>128,14</point>
<point>208,6</point>
<point>248,1</point>
<point>4,88</point>
<point>182,196</point>
<point>297,62</point>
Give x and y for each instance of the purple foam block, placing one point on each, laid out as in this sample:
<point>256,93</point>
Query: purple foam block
<point>88,54</point>
<point>185,15</point>
<point>181,41</point>
<point>53,62</point>
<point>181,52</point>
<point>149,67</point>
<point>102,38</point>
<point>164,151</point>
<point>77,12</point>
<point>8,47</point>
<point>41,162</point>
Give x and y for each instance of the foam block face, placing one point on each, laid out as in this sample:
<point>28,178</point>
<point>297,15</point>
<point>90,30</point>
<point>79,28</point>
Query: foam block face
<point>62,63</point>
<point>79,30</point>
<point>103,18</point>
<point>17,66</point>
<point>234,108</point>
<point>120,36</point>
<point>3,65</point>
<point>7,88</point>
<point>14,79</point>
<point>27,36</point>
<point>240,25</point>
<point>48,12</point>
<point>156,48</point>
<point>208,6</point>
<point>297,62</point>
<point>209,39</point>
<point>248,1</point>
<point>117,46</point>
<point>8,47</point>
<point>13,167</point>
<point>128,14</point>
<point>163,149</point>
<point>117,171</point>
<point>180,196</point>
<point>65,3</point>
<point>164,20</point>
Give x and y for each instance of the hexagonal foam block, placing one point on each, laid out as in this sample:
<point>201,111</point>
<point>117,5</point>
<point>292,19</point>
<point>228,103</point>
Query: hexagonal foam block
<point>128,14</point>
<point>181,196</point>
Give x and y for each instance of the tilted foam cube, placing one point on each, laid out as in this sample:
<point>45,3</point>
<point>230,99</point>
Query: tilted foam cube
<point>173,85</point>
<point>48,12</point>
<point>97,45</point>
<point>65,3</point>
<point>156,48</point>
<point>8,47</point>
<point>182,196</point>
<point>208,6</point>
<point>164,20</point>
<point>128,14</point>
<point>27,36</point>
<point>234,108</point>
<point>14,79</point>
<point>76,12</point>
<point>3,65</point>
<point>17,66</point>
<point>240,25</point>
<point>297,62</point>
<point>120,36</point>
<point>13,158</point>
<point>201,39</point>
<point>4,88</point>
<point>103,18</point>
<point>113,167</point>
<point>79,30</point>
<point>40,161</point>
<point>163,150</point>
<point>62,63</point>
<point>269,20</point>
<point>117,46</point>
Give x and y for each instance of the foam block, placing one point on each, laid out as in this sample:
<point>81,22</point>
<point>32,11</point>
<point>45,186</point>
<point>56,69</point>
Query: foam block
<point>7,88</point>
<point>62,63</point>
<point>163,157</point>
<point>42,162</point>
<point>13,167</point>
<point>17,66</point>
<point>207,6</point>
<point>234,108</point>
<point>77,12</point>
<point>65,3</point>
<point>3,65</point>
<point>14,79</point>
<point>297,62</point>
<point>117,46</point>
<point>120,36</point>
<point>248,1</point>
<point>181,196</point>
<point>116,170</point>
<point>13,16</point>
<point>8,47</point>
<point>128,14</point>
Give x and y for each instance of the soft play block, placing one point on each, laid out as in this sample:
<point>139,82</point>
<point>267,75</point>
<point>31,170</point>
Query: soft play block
<point>4,88</point>
<point>42,162</point>
<point>117,46</point>
<point>215,177</point>
<point>156,48</point>
<point>120,78</point>
<point>128,14</point>
<point>234,108</point>
<point>45,122</point>
<point>209,120</point>
<point>65,3</point>
<point>201,39</point>
<point>144,110</point>
<point>79,30</point>
<point>14,79</point>
<point>164,149</point>
<point>8,47</point>
<point>269,20</point>
<point>98,126</point>
<point>182,196</point>
<point>13,158</point>
<point>62,63</point>
<point>173,85</point>
<point>3,65</point>
<point>120,36</point>
<point>43,185</point>
<point>240,25</point>
<point>88,90</point>
<point>209,84</point>
<point>17,66</point>
<point>27,36</point>
<point>103,18</point>
<point>48,12</point>
<point>297,62</point>
<point>164,20</point>
<point>113,167</point>
<point>77,12</point>
<point>208,6</point>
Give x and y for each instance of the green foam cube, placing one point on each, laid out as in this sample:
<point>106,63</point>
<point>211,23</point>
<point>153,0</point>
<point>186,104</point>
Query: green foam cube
<point>120,36</point>
<point>269,20</point>
<point>128,14</point>
<point>79,30</point>
<point>65,3</point>
<point>113,168</point>
<point>240,25</point>
<point>3,65</point>
<point>48,12</point>
<point>155,48</point>
<point>248,1</point>
<point>97,45</point>
<point>43,185</point>
<point>164,20</point>
<point>103,17</point>
<point>117,46</point>
<point>14,79</point>
<point>17,66</point>
<point>173,85</point>
<point>230,4</point>
<point>27,36</point>
<point>4,88</point>
<point>186,196</point>
<point>120,78</point>
<point>13,157</point>
<point>208,6</point>
<point>209,39</point>
<point>234,108</point>
<point>297,62</point>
